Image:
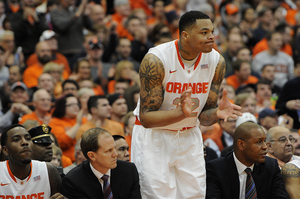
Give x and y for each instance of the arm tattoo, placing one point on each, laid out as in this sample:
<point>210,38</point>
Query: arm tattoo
<point>151,76</point>
<point>290,171</point>
<point>54,178</point>
<point>208,115</point>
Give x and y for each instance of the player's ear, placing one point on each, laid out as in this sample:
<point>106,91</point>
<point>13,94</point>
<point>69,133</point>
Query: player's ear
<point>5,150</point>
<point>184,35</point>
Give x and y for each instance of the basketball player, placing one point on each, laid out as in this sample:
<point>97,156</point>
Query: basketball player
<point>22,177</point>
<point>179,86</point>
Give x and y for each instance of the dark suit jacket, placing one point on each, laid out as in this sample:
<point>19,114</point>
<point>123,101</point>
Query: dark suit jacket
<point>223,180</point>
<point>81,182</point>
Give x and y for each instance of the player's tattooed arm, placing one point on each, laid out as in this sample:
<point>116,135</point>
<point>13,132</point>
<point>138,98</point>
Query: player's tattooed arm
<point>208,116</point>
<point>291,178</point>
<point>54,178</point>
<point>151,76</point>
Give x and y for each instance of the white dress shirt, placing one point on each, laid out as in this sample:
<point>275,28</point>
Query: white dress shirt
<point>242,175</point>
<point>99,175</point>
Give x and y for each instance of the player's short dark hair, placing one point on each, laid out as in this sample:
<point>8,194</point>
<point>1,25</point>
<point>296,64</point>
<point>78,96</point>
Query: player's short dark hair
<point>189,19</point>
<point>93,101</point>
<point>4,133</point>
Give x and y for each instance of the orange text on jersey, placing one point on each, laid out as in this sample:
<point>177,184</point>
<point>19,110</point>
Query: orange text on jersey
<point>177,87</point>
<point>29,196</point>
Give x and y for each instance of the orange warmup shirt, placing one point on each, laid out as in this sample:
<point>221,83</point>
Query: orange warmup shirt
<point>31,116</point>
<point>59,127</point>
<point>141,4</point>
<point>32,73</point>
<point>263,45</point>
<point>60,59</point>
<point>115,128</point>
<point>232,80</point>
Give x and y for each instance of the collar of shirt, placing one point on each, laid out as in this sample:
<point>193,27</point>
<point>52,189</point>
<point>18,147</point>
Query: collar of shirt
<point>240,166</point>
<point>228,138</point>
<point>99,174</point>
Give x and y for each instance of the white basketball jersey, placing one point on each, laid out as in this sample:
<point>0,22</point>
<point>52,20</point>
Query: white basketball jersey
<point>178,78</point>
<point>36,186</point>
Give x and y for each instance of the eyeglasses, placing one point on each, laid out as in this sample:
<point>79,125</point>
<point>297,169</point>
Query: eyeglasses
<point>73,104</point>
<point>283,140</point>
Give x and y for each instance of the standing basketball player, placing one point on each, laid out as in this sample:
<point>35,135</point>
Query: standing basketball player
<point>22,177</point>
<point>179,86</point>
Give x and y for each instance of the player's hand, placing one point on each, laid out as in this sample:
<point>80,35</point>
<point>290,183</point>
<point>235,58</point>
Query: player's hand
<point>226,109</point>
<point>58,196</point>
<point>186,102</point>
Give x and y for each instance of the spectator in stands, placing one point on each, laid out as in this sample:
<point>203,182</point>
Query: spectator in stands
<point>83,95</point>
<point>100,110</point>
<point>78,156</point>
<point>124,70</point>
<point>42,106</point>
<point>49,37</point>
<point>118,106</point>
<point>41,147</point>
<point>32,73</point>
<point>4,72</point>
<point>56,158</point>
<point>129,120</point>
<point>45,81</point>
<point>70,87</point>
<point>55,70</point>
<point>295,133</point>
<point>28,25</point>
<point>283,62</point>
<point>285,31</point>
<point>268,73</point>
<point>265,18</point>
<point>246,102</point>
<point>120,86</point>
<point>66,120</point>
<point>234,42</point>
<point>280,145</point>
<point>231,17</point>
<point>122,148</point>
<point>263,94</point>
<point>97,15</point>
<point>289,100</point>
<point>69,23</point>
<point>242,74</point>
<point>12,56</point>
<point>122,11</point>
<point>158,16</point>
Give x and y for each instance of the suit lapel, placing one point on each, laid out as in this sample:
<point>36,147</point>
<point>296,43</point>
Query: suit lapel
<point>233,176</point>
<point>114,182</point>
<point>94,182</point>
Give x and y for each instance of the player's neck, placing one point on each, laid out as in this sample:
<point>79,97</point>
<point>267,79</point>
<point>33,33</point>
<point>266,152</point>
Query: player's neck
<point>186,52</point>
<point>20,170</point>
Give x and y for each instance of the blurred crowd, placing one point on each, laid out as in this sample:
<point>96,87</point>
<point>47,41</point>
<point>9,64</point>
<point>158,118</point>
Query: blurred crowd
<point>74,65</point>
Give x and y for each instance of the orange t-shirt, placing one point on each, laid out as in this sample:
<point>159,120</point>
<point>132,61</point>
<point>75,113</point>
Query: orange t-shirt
<point>59,127</point>
<point>31,116</point>
<point>115,128</point>
<point>65,161</point>
<point>215,134</point>
<point>98,90</point>
<point>141,4</point>
<point>290,17</point>
<point>32,73</point>
<point>263,45</point>
<point>232,80</point>
<point>60,59</point>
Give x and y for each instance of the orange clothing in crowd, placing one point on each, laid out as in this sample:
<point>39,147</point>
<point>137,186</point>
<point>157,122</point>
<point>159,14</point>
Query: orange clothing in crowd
<point>60,59</point>
<point>65,161</point>
<point>215,134</point>
<point>121,30</point>
<point>32,73</point>
<point>115,128</point>
<point>32,116</point>
<point>98,90</point>
<point>128,140</point>
<point>59,127</point>
<point>141,4</point>
<point>263,45</point>
<point>290,17</point>
<point>232,80</point>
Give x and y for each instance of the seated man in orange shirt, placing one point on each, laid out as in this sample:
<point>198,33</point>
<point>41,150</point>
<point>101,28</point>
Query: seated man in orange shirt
<point>100,110</point>
<point>49,36</point>
<point>42,105</point>
<point>242,74</point>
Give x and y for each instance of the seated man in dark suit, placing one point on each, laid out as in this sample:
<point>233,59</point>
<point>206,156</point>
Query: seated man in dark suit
<point>99,176</point>
<point>227,178</point>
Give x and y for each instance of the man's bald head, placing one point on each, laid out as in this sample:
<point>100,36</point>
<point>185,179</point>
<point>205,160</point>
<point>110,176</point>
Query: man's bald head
<point>274,130</point>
